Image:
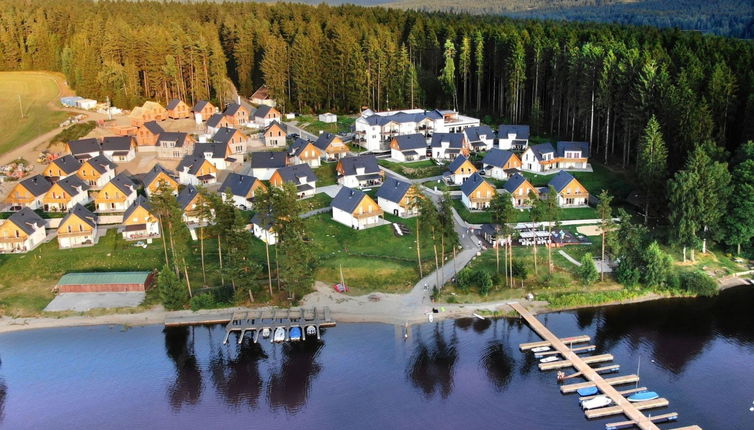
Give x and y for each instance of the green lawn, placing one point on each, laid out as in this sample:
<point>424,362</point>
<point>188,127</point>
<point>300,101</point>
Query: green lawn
<point>372,260</point>
<point>326,174</point>
<point>484,217</point>
<point>318,201</point>
<point>311,124</point>
<point>37,91</point>
<point>416,169</point>
<point>441,186</point>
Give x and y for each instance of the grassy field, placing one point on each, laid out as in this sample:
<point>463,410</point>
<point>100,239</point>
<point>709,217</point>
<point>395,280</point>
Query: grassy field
<point>326,174</point>
<point>318,201</point>
<point>37,90</point>
<point>415,170</point>
<point>372,260</point>
<point>484,217</point>
<point>311,124</point>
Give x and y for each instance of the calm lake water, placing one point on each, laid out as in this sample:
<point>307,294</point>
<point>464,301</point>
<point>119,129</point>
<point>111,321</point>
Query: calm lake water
<point>456,374</point>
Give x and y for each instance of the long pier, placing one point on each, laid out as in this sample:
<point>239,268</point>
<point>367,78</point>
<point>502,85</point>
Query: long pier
<point>570,359</point>
<point>257,321</point>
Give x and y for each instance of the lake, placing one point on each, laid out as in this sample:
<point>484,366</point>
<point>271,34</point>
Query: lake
<point>467,373</point>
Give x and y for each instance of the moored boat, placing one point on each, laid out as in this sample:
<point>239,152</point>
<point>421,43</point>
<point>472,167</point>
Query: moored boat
<point>279,335</point>
<point>294,334</point>
<point>587,391</point>
<point>549,359</point>
<point>597,402</point>
<point>266,332</point>
<point>643,396</point>
<point>311,330</point>
<point>540,349</point>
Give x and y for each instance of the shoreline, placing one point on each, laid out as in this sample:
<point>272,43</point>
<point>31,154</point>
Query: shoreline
<point>157,315</point>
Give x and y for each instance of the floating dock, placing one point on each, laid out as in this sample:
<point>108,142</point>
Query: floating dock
<point>630,424</point>
<point>567,363</point>
<point>621,405</point>
<point>257,321</point>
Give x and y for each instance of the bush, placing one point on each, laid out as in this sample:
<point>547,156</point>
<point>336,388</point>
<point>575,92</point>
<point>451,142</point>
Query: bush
<point>519,269</point>
<point>203,301</point>
<point>464,280</point>
<point>75,131</point>
<point>483,282</point>
<point>698,282</point>
<point>587,272</point>
<point>627,275</point>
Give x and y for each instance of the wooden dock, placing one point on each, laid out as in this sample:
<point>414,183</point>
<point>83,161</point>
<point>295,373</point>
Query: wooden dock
<point>256,321</point>
<point>567,363</point>
<point>616,410</point>
<point>629,424</point>
<point>568,340</point>
<point>621,404</point>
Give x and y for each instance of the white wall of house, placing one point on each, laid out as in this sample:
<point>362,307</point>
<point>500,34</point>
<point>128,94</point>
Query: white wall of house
<point>460,178</point>
<point>120,159</point>
<point>393,208</point>
<point>275,141</point>
<point>81,198</point>
<point>116,206</point>
<point>263,173</point>
<point>151,229</point>
<point>266,236</point>
<point>349,181</point>
<point>473,205</point>
<point>186,178</point>
<point>77,241</point>
<point>566,201</point>
<point>495,172</point>
<point>349,220</point>
<point>34,239</point>
<point>529,162</point>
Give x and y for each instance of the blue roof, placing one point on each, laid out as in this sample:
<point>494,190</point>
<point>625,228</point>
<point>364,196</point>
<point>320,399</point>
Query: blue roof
<point>562,147</point>
<point>27,220</point>
<point>403,117</point>
<point>368,162</point>
<point>542,148</point>
<point>521,131</point>
<point>472,183</point>
<point>411,141</point>
<point>187,195</point>
<point>347,199</point>
<point>293,173</point>
<point>324,140</point>
<point>561,180</point>
<point>140,201</point>
<point>393,190</point>
<point>457,162</point>
<point>514,182</point>
<point>497,157</point>
<point>237,184</point>
<point>476,134</point>
<point>455,140</point>
<point>297,146</point>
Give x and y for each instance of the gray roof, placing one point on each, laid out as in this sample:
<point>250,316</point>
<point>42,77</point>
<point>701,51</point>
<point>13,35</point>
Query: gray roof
<point>514,182</point>
<point>73,185</point>
<point>562,147</point>
<point>393,190</point>
<point>153,127</point>
<point>298,146</point>
<point>84,146</point>
<point>232,108</point>
<point>218,150</point>
<point>455,140</point>
<point>324,140</point>
<point>268,159</point>
<point>490,229</point>
<point>411,141</point>
<point>293,173</point>
<point>172,104</point>
<point>472,183</point>
<point>560,180</point>
<point>262,111</point>
<point>186,195</point>
<point>237,184</point>
<point>173,136</point>
<point>475,134</point>
<point>153,172</point>
<point>101,164</point>
<point>266,221</point>
<point>26,219</point>
<point>347,199</point>
<point>456,163</point>
<point>124,183</point>
<point>117,143</point>
<point>223,135</point>
<point>83,213</point>
<point>140,201</point>
<point>279,124</point>
<point>542,148</point>
<point>497,157</point>
<point>403,117</point>
<point>521,131</point>
<point>200,105</point>
<point>368,162</point>
<point>214,120</point>
<point>67,163</point>
<point>37,185</point>
<point>191,163</point>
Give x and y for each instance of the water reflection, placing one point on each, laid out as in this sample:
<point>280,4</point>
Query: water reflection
<point>235,373</point>
<point>480,326</point>
<point>498,363</point>
<point>3,394</point>
<point>464,323</point>
<point>186,389</point>
<point>431,365</point>
<point>290,385</point>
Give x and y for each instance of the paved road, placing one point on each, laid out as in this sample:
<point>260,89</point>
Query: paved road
<point>330,190</point>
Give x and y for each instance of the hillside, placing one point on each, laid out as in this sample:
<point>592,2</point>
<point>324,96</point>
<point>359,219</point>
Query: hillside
<point>733,18</point>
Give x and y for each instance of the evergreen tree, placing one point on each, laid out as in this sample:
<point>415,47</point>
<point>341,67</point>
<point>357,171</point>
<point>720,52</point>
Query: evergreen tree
<point>173,295</point>
<point>588,273</point>
<point>657,267</point>
<point>651,165</point>
<point>606,224</point>
<point>739,222</point>
<point>448,75</point>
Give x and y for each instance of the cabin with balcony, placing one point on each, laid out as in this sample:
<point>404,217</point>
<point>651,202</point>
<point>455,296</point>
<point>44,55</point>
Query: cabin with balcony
<point>28,193</point>
<point>476,193</point>
<point>263,227</point>
<point>191,202</point>
<point>241,189</point>
<point>22,232</point>
<point>264,164</point>
<point>396,197</point>
<point>236,141</point>
<point>97,172</point>
<point>362,171</point>
<point>218,121</point>
<point>332,146</point>
<point>480,138</point>
<point>304,151</point>
<point>300,175</point>
<point>77,229</point>
<point>158,175</point>
<point>195,170</point>
<point>353,208</point>
<point>119,149</point>
<point>140,221</point>
<point>65,194</point>
<point>61,167</point>
<point>513,137</point>
<point>520,190</point>
<point>448,146</point>
<point>217,153</point>
<point>84,149</point>
<point>116,196</point>
<point>408,147</point>
<point>571,193</point>
<point>499,163</point>
<point>237,114</point>
<point>266,115</point>
<point>459,170</point>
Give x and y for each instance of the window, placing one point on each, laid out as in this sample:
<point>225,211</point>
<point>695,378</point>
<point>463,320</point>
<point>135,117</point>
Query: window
<point>69,229</point>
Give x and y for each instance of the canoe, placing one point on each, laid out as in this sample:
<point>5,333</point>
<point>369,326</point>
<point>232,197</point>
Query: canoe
<point>588,391</point>
<point>540,349</point>
<point>643,396</point>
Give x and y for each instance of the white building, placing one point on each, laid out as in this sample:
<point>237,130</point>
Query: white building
<point>394,198</point>
<point>263,227</point>
<point>328,118</point>
<point>355,209</point>
<point>513,137</point>
<point>22,232</point>
<point>374,130</point>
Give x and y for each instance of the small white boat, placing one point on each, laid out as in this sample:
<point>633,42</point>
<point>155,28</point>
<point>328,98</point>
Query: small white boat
<point>540,349</point>
<point>266,332</point>
<point>311,330</point>
<point>279,335</point>
<point>597,402</point>
<point>549,359</point>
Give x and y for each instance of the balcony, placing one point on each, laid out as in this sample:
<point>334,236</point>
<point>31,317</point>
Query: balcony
<point>75,234</point>
<point>369,214</point>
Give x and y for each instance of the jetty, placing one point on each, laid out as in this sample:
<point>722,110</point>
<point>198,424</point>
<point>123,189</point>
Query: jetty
<point>620,405</point>
<point>308,320</point>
